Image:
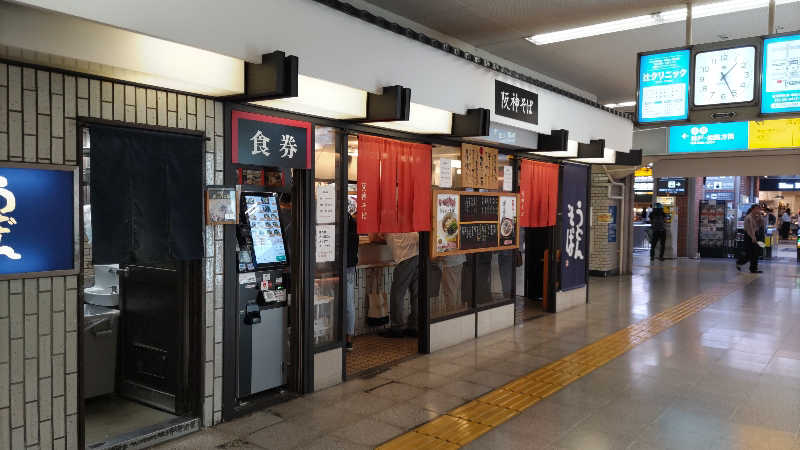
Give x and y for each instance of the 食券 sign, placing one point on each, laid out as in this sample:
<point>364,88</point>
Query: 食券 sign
<point>516,103</point>
<point>260,140</point>
<point>663,86</point>
<point>38,220</point>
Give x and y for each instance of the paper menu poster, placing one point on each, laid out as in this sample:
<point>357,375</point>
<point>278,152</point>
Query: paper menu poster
<point>445,173</point>
<point>326,203</point>
<point>446,222</point>
<point>508,178</point>
<point>508,220</point>
<point>326,243</point>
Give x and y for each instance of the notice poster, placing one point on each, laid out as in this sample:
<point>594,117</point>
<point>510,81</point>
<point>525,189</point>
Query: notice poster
<point>508,220</point>
<point>478,167</point>
<point>780,83</point>
<point>446,222</point>
<point>508,178</point>
<point>574,206</point>
<point>326,203</point>
<point>445,173</point>
<point>326,243</point>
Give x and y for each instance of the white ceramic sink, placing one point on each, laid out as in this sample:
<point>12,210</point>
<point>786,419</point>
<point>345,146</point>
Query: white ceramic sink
<point>102,296</point>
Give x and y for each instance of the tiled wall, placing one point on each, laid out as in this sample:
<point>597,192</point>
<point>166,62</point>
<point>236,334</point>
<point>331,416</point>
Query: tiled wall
<point>603,255</point>
<point>38,317</point>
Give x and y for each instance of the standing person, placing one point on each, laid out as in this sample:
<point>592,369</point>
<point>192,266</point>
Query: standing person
<point>752,223</point>
<point>405,250</point>
<point>350,279</point>
<point>786,223</point>
<point>657,220</point>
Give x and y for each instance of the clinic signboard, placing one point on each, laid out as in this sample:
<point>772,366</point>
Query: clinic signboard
<point>38,220</point>
<point>663,86</point>
<point>267,141</point>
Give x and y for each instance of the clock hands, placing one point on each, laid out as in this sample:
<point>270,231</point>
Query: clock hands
<point>726,84</point>
<point>724,75</point>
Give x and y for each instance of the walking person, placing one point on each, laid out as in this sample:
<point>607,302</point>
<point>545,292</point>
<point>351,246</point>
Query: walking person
<point>658,230</point>
<point>786,223</point>
<point>405,250</point>
<point>752,223</point>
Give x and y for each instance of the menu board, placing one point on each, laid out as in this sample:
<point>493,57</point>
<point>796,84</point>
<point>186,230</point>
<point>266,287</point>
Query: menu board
<point>471,222</point>
<point>265,229</point>
<point>478,167</point>
<point>780,83</point>
<point>663,86</point>
<point>478,235</point>
<point>478,208</point>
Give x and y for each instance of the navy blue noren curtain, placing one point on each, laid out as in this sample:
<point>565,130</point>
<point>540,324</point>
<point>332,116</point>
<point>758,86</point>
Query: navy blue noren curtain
<point>574,226</point>
<point>146,195</point>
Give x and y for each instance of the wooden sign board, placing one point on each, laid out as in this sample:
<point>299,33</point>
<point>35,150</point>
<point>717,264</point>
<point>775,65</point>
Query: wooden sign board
<point>478,167</point>
<point>474,222</point>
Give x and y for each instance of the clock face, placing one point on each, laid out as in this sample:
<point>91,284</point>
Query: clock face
<point>724,76</point>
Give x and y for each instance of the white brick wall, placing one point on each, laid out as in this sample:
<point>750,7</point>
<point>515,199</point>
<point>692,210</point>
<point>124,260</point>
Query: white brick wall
<point>603,255</point>
<point>38,317</point>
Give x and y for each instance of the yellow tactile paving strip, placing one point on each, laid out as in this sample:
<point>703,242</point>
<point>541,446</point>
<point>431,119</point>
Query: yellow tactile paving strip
<point>471,420</point>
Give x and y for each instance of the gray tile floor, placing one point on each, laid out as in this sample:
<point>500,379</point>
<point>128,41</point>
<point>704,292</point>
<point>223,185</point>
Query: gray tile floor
<point>727,377</point>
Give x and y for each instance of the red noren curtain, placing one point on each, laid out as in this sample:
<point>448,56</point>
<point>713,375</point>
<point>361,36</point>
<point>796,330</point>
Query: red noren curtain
<point>394,186</point>
<point>538,194</point>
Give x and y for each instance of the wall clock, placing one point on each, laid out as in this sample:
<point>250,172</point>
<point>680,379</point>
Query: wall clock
<point>725,76</point>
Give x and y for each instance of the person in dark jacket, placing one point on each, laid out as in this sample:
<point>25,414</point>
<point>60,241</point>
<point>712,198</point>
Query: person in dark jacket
<point>350,279</point>
<point>659,232</point>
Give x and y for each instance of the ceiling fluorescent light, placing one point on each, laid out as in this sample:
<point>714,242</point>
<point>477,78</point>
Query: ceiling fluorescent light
<point>422,120</point>
<point>322,99</point>
<point>649,20</point>
<point>620,105</point>
<point>571,152</point>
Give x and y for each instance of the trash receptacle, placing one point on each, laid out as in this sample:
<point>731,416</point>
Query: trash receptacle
<point>100,330</point>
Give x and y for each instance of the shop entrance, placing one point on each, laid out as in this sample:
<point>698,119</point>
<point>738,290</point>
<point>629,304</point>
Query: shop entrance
<point>141,317</point>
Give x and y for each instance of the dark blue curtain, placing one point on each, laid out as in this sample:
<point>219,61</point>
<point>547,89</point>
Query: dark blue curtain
<point>574,226</point>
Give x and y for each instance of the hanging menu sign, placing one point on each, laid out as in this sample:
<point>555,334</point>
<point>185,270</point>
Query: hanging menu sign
<point>471,222</point>
<point>478,167</point>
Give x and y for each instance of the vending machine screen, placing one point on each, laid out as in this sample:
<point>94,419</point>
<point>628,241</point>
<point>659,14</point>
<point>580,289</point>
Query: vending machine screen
<point>269,248</point>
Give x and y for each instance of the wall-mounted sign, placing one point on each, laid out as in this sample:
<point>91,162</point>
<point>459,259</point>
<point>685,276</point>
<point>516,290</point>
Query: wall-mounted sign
<point>478,167</point>
<point>672,186</point>
<point>718,196</point>
<point>663,86</point>
<point>471,222</point>
<point>38,220</point>
<point>516,103</point>
<point>779,133</point>
<point>720,183</point>
<point>713,137</point>
<point>612,227</point>
<point>261,140</point>
<point>779,184</point>
<point>780,79</point>
<point>222,205</point>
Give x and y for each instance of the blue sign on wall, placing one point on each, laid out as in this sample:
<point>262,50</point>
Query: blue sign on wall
<point>37,218</point>
<point>612,227</point>
<point>713,137</point>
<point>780,77</point>
<point>663,86</point>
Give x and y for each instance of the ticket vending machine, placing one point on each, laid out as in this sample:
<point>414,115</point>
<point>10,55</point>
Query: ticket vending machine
<point>262,294</point>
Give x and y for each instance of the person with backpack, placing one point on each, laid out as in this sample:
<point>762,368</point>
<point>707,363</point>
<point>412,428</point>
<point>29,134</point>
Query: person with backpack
<point>752,223</point>
<point>658,231</point>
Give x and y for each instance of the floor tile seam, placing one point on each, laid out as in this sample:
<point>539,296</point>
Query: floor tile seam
<point>699,302</point>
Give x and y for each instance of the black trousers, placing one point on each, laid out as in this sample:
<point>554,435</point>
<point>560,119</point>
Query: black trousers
<point>751,254</point>
<point>658,236</point>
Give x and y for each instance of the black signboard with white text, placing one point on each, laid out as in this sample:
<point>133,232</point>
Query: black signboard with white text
<point>779,184</point>
<point>260,140</point>
<point>671,186</point>
<point>516,103</point>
